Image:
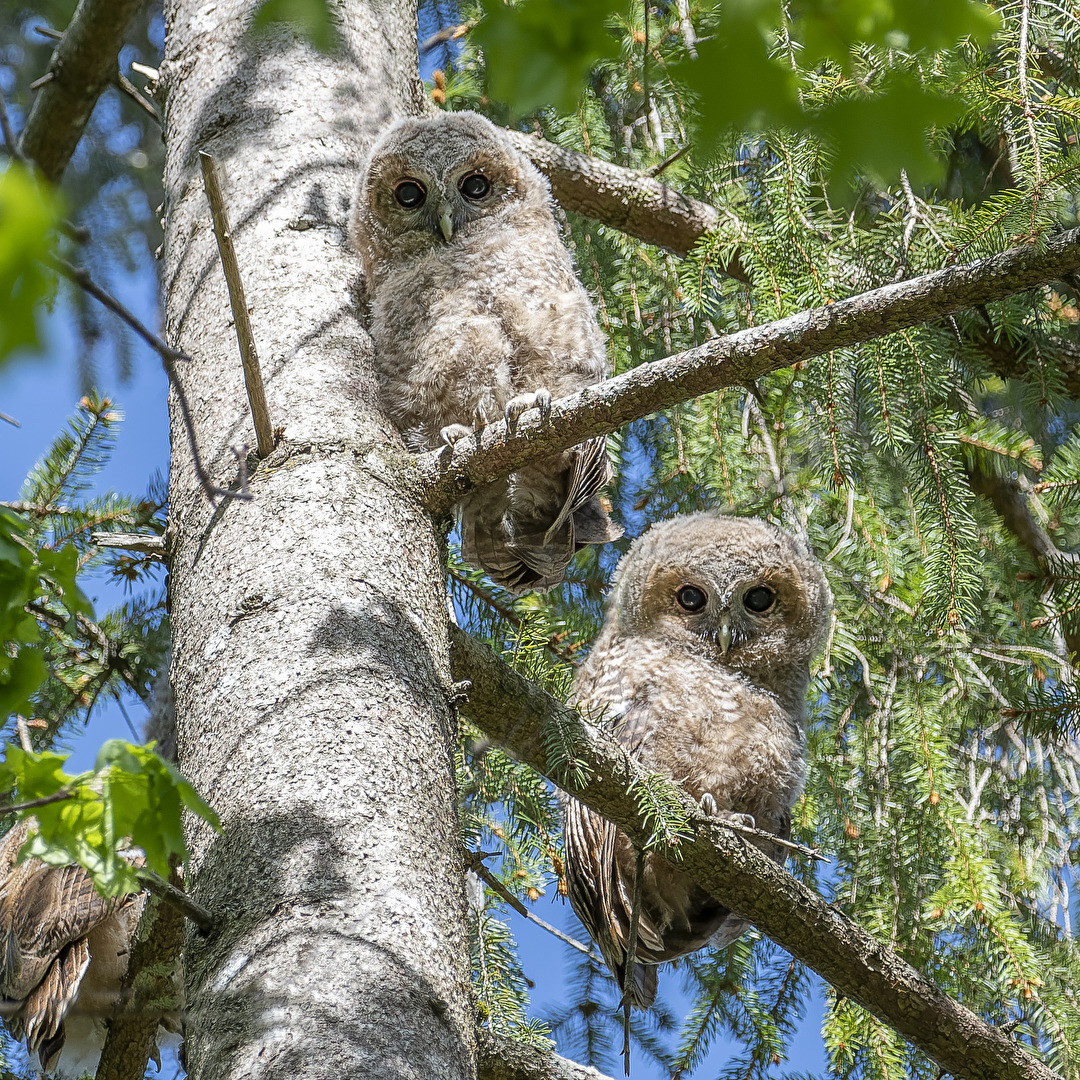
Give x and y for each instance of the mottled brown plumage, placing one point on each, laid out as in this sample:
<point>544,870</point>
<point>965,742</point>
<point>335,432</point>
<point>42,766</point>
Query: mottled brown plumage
<point>703,667</point>
<point>476,314</point>
<point>64,953</point>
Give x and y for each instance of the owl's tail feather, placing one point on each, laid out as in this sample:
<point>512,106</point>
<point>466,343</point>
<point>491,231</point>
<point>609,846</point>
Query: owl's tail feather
<point>524,531</point>
<point>641,991</point>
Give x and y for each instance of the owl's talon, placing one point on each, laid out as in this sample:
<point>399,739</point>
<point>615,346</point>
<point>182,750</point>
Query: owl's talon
<point>452,433</point>
<point>708,804</point>
<point>538,399</point>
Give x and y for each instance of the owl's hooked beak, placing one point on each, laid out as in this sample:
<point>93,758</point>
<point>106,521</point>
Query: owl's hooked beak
<point>446,222</point>
<point>723,635</point>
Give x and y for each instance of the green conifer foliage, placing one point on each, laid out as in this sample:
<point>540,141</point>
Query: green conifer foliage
<point>944,710</point>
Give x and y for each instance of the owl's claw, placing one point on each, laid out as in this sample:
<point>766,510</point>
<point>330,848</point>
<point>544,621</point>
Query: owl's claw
<point>538,399</point>
<point>708,804</point>
<point>452,433</point>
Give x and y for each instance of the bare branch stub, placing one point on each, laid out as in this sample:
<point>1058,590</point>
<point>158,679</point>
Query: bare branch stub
<point>632,202</point>
<point>738,359</point>
<point>253,380</point>
<point>144,543</point>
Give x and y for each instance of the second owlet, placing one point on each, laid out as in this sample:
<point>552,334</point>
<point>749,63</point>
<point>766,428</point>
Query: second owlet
<point>702,667</point>
<point>476,314</point>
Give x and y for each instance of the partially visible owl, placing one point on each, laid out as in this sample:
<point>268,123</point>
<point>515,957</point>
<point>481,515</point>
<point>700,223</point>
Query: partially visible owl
<point>702,667</point>
<point>476,314</point>
<point>64,950</point>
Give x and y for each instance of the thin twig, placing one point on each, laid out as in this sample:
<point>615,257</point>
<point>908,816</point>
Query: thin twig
<point>49,32</point>
<point>45,800</point>
<point>168,356</point>
<point>761,834</point>
<point>10,419</point>
<point>144,543</point>
<point>81,278</point>
<point>125,85</point>
<point>485,875</point>
<point>447,33</point>
<point>179,899</point>
<point>38,83</point>
<point>657,169</point>
<point>8,132</point>
<point>253,380</point>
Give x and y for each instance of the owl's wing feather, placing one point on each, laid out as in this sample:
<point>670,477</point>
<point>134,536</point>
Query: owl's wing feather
<point>525,530</point>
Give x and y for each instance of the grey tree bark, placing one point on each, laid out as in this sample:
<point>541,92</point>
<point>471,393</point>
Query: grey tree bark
<point>310,655</point>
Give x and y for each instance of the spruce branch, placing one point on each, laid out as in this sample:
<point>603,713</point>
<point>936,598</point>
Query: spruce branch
<point>632,202</point>
<point>1012,506</point>
<point>83,64</point>
<point>501,1058</point>
<point>448,474</point>
<point>513,712</point>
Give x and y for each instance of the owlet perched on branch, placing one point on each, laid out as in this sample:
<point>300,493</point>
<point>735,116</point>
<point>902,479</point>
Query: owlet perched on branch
<point>703,665</point>
<point>65,950</point>
<point>476,314</point>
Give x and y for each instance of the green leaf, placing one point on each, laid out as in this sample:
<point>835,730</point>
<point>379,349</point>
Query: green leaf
<point>310,18</point>
<point>132,798</point>
<point>540,52</point>
<point>829,28</point>
<point>887,131</point>
<point>29,211</point>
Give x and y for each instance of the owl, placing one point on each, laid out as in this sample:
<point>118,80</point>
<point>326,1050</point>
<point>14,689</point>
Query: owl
<point>65,950</point>
<point>476,315</point>
<point>702,669</point>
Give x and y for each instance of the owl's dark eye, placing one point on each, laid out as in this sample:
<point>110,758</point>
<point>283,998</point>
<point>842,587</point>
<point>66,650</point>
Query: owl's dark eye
<point>691,598</point>
<point>759,599</point>
<point>410,194</point>
<point>474,186</point>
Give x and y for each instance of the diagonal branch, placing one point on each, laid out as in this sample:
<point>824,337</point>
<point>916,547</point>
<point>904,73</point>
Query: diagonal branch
<point>500,1058</point>
<point>449,474</point>
<point>630,201</point>
<point>514,712</point>
<point>83,64</point>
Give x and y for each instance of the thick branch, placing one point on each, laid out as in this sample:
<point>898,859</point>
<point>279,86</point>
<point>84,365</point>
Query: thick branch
<point>739,359</point>
<point>500,1058</point>
<point>630,201</point>
<point>83,64</point>
<point>641,206</point>
<point>513,712</point>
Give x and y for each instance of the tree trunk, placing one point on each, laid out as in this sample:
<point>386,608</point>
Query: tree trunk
<point>310,660</point>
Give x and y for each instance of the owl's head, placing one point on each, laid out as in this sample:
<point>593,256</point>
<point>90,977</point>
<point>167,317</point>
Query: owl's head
<point>432,182</point>
<point>738,590</point>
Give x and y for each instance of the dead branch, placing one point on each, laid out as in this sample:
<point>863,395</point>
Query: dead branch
<point>500,1058</point>
<point>249,357</point>
<point>168,357</point>
<point>144,543</point>
<point>514,712</point>
<point>739,359</point>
